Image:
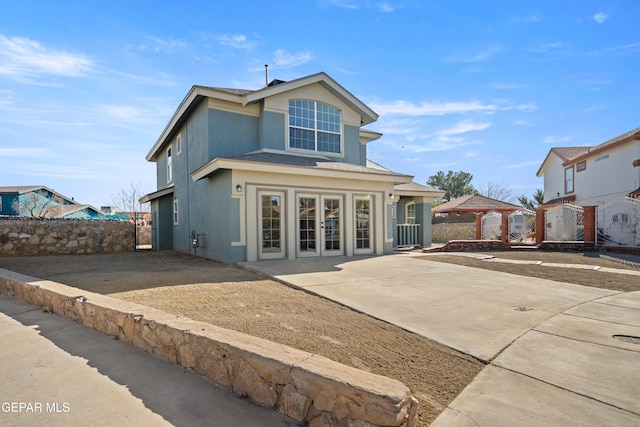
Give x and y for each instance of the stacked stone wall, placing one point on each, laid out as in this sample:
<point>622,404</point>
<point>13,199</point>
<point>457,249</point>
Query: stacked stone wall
<point>308,388</point>
<point>35,236</point>
<point>442,233</point>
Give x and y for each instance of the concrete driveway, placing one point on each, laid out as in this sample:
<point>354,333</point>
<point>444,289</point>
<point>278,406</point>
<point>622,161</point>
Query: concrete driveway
<point>550,347</point>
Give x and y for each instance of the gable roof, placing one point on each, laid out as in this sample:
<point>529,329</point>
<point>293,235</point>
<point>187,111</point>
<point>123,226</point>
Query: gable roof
<point>475,203</point>
<point>564,153</point>
<point>571,155</point>
<point>246,97</point>
<point>24,189</point>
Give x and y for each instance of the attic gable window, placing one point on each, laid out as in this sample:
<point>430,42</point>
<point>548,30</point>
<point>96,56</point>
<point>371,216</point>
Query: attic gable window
<point>314,126</point>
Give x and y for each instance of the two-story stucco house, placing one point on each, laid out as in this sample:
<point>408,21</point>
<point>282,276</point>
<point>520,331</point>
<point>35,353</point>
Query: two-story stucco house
<point>594,175</point>
<point>279,172</point>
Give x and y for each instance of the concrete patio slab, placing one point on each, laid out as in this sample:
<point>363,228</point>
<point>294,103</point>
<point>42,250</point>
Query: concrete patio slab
<point>629,300</point>
<point>478,312</point>
<point>603,373</point>
<point>607,313</point>
<point>591,330</point>
<point>499,397</point>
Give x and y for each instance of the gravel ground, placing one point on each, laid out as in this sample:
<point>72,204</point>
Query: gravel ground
<point>233,298</point>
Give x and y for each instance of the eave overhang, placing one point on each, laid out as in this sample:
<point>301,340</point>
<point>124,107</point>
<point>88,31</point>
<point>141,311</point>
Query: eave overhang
<point>233,164</point>
<point>156,195</point>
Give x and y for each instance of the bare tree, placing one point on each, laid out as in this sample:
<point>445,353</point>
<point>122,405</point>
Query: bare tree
<point>498,191</point>
<point>128,199</point>
<point>38,204</point>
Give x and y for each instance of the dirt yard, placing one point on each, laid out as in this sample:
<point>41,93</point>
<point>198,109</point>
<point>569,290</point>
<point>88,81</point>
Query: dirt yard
<point>236,299</point>
<point>593,278</point>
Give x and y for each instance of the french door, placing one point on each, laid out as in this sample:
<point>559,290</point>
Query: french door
<point>271,225</point>
<point>320,225</point>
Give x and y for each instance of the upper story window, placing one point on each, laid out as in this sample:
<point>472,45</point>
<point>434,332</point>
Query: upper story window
<point>169,166</point>
<point>179,144</point>
<point>568,180</point>
<point>581,166</point>
<point>314,126</point>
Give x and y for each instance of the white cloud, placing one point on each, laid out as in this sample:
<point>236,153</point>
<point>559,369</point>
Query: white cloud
<point>526,19</point>
<point>524,164</point>
<point>508,85</point>
<point>462,127</point>
<point>346,4</point>
<point>157,45</point>
<point>238,41</point>
<point>600,17</point>
<point>23,58</point>
<point>544,48</point>
<point>550,139</point>
<point>384,6</point>
<point>481,56</point>
<point>408,108</point>
<point>285,59</point>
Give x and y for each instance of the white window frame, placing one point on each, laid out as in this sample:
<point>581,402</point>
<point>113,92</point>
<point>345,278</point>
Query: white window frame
<point>170,164</point>
<point>569,181</point>
<point>175,212</point>
<point>406,213</point>
<point>178,144</point>
<point>315,130</point>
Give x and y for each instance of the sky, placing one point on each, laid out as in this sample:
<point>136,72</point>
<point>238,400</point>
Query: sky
<point>485,87</point>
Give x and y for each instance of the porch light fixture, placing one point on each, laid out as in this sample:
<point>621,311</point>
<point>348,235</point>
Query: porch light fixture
<point>391,196</point>
<point>239,188</point>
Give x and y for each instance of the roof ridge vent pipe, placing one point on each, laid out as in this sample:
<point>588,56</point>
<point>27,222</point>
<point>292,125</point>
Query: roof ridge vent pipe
<point>266,75</point>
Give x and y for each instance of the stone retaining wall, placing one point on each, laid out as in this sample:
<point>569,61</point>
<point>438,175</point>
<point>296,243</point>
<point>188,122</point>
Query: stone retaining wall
<point>311,389</point>
<point>442,233</point>
<point>34,236</point>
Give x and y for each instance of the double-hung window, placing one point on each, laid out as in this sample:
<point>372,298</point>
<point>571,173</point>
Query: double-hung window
<point>314,126</point>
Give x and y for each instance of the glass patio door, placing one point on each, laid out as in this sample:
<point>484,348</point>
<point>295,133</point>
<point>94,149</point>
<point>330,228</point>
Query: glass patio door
<point>363,221</point>
<point>271,225</point>
<point>320,230</point>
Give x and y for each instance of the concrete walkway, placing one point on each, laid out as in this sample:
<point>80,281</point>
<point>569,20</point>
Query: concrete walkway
<point>56,372</point>
<point>553,359</point>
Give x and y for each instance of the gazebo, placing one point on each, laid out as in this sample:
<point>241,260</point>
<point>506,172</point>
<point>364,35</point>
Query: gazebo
<point>479,206</point>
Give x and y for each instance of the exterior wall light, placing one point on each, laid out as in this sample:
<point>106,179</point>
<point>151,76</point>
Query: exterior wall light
<point>239,188</point>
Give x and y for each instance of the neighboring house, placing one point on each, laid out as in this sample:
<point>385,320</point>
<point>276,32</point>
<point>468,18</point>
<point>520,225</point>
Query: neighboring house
<point>40,201</point>
<point>593,176</point>
<point>279,172</point>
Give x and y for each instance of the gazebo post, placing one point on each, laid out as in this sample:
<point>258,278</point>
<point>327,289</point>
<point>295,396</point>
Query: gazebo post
<point>505,228</point>
<point>479,216</point>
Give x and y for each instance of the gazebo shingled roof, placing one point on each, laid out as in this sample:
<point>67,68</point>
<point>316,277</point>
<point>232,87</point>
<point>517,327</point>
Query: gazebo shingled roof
<point>475,203</point>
